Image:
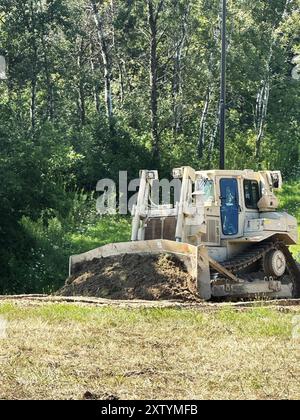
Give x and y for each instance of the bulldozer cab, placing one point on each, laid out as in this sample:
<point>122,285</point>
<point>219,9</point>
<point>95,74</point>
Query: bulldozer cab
<point>208,207</point>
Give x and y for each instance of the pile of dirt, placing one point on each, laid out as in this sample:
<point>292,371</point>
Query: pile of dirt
<point>129,277</point>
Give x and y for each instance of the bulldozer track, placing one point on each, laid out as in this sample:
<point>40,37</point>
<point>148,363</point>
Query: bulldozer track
<point>256,253</point>
<point>248,257</point>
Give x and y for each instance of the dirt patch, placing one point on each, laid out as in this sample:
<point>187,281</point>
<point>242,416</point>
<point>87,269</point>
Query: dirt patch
<point>94,397</point>
<point>129,277</point>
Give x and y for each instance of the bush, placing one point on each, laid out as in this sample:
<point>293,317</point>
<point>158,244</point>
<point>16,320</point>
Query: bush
<point>54,239</point>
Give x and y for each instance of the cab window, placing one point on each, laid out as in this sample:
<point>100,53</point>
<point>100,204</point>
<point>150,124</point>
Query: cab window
<point>252,195</point>
<point>207,187</point>
<point>209,190</point>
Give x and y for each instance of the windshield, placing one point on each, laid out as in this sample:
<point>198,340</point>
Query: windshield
<point>206,187</point>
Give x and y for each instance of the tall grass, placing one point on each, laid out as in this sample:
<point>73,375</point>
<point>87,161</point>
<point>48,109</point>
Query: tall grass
<point>55,239</point>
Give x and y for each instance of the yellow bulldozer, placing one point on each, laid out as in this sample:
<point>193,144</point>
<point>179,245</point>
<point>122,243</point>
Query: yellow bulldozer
<point>224,226</point>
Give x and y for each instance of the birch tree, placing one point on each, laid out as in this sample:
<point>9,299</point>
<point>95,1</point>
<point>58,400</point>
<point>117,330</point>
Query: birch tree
<point>154,11</point>
<point>106,59</point>
<point>263,94</point>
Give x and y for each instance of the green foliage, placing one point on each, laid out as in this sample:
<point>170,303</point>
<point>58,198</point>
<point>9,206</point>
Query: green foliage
<point>290,198</point>
<point>53,239</point>
<point>104,154</point>
<point>289,201</point>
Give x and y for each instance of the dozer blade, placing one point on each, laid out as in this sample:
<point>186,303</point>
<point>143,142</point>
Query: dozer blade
<point>194,258</point>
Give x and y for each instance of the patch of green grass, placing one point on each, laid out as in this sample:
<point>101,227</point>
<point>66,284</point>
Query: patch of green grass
<point>105,231</point>
<point>290,199</point>
<point>290,202</point>
<point>62,312</point>
<point>296,249</point>
<point>256,322</point>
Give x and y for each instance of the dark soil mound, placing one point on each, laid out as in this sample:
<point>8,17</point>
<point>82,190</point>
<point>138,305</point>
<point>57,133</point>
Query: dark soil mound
<point>128,277</point>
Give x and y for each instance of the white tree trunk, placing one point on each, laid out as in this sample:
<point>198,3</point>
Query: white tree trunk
<point>202,133</point>
<point>263,95</point>
<point>106,59</point>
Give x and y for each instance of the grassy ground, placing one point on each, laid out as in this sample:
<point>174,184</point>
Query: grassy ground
<point>61,351</point>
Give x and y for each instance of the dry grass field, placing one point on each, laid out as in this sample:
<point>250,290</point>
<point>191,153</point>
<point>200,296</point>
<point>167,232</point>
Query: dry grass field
<point>63,351</point>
